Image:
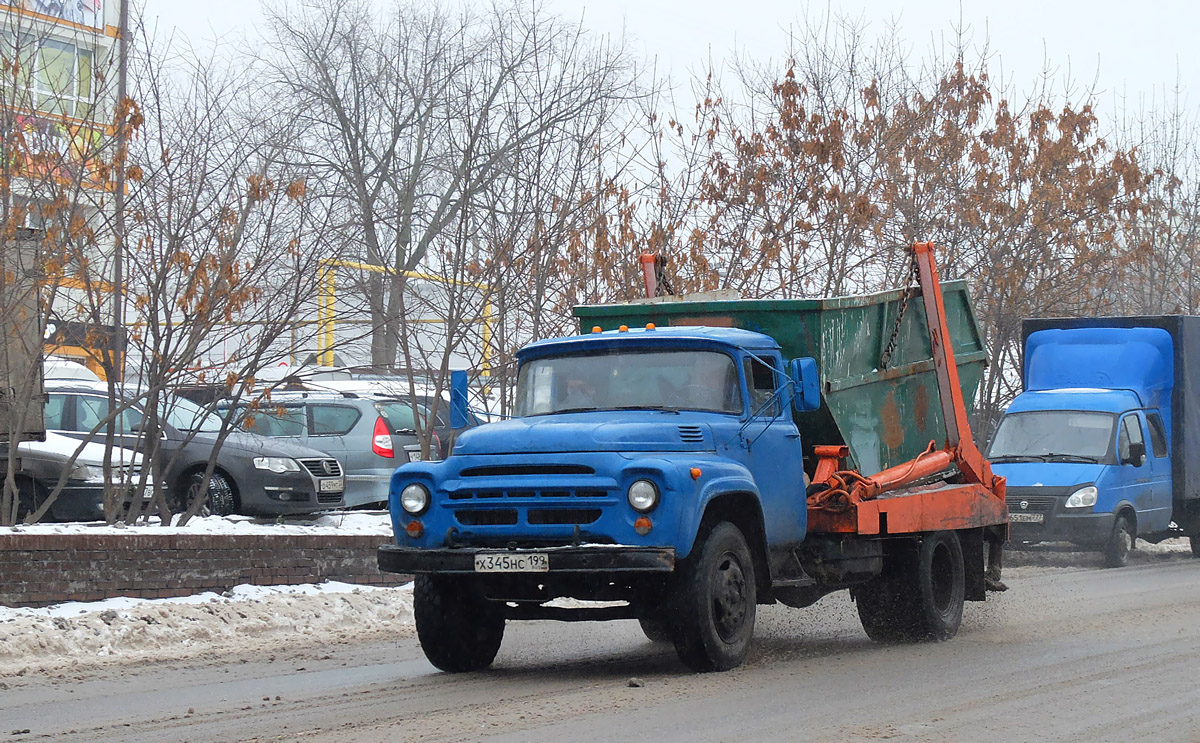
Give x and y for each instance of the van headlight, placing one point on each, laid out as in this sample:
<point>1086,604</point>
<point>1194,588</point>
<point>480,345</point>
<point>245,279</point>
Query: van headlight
<point>1085,497</point>
<point>643,495</point>
<point>414,499</point>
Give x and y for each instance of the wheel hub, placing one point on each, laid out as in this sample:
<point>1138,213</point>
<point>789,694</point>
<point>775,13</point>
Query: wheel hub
<point>729,597</point>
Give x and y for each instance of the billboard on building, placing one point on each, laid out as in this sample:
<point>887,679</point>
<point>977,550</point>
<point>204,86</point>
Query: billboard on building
<point>83,12</point>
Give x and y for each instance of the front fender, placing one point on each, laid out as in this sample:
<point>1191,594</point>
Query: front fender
<point>717,479</point>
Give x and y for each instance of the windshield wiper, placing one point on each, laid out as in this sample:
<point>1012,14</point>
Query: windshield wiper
<point>1070,458</point>
<point>1018,458</point>
<point>664,408</point>
<point>573,410</point>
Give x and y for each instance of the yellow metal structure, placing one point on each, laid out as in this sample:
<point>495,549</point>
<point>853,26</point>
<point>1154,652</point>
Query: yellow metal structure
<point>327,317</point>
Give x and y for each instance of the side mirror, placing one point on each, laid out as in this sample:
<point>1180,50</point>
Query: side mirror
<point>458,399</point>
<point>806,395</point>
<point>1137,454</point>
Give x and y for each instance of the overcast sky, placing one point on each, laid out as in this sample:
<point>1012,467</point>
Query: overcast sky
<point>1135,48</point>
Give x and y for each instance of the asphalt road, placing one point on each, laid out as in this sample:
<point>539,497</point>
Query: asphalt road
<point>1065,655</point>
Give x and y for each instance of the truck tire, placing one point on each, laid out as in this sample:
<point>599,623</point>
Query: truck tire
<point>1120,542</point>
<point>459,629</point>
<point>1194,539</point>
<point>656,629</point>
<point>919,596</point>
<point>715,599</point>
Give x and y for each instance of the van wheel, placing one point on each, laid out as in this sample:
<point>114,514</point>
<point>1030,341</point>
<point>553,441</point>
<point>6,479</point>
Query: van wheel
<point>919,596</point>
<point>715,597</point>
<point>1120,542</point>
<point>459,629</point>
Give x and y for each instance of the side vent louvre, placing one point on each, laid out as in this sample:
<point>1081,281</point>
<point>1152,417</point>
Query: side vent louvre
<point>691,434</point>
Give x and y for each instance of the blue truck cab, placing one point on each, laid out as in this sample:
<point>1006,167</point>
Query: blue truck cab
<point>1092,448</point>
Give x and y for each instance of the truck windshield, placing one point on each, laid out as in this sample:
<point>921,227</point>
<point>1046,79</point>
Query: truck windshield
<point>670,380</point>
<point>1053,434</point>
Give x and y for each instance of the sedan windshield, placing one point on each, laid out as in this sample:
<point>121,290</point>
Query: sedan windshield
<point>187,416</point>
<point>662,380</point>
<point>1045,435</point>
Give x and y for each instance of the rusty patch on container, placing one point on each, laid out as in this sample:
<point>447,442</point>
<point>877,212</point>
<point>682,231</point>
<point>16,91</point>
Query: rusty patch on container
<point>893,432</point>
<point>712,322</point>
<point>921,406</point>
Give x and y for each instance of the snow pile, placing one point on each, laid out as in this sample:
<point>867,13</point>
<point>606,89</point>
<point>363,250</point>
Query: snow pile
<point>243,619</point>
<point>339,522</point>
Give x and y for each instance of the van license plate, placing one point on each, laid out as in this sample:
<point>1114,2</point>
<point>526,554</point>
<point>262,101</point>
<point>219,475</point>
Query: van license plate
<point>333,486</point>
<point>511,563</point>
<point>1026,518</point>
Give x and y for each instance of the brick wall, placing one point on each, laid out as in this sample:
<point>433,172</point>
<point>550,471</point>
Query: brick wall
<point>42,569</point>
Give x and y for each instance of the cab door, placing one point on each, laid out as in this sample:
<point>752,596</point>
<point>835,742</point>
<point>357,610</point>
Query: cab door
<point>1145,483</point>
<point>770,448</point>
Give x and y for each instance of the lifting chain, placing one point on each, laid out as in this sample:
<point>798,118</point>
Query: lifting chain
<point>660,274</point>
<point>910,290</point>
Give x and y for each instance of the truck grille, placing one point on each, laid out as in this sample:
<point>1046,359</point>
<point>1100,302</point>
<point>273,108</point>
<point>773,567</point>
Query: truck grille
<point>691,434</point>
<point>535,516</point>
<point>511,470</point>
<point>322,467</point>
<point>563,493</point>
<point>1033,503</point>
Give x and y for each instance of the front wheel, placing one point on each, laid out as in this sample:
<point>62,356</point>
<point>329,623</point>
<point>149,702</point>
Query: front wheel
<point>459,629</point>
<point>715,597</point>
<point>1120,542</point>
<point>919,596</point>
<point>221,500</point>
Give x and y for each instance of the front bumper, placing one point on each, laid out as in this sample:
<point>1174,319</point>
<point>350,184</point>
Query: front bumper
<point>1058,524</point>
<point>599,559</point>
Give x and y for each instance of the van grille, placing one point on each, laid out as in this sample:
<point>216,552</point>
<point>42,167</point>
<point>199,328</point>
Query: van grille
<point>1033,503</point>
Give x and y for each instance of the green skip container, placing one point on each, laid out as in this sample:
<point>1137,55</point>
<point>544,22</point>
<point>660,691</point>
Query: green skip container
<point>885,416</point>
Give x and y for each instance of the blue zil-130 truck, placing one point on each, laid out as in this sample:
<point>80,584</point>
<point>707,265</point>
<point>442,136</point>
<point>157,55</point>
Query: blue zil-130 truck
<point>684,462</point>
<point>1103,445</point>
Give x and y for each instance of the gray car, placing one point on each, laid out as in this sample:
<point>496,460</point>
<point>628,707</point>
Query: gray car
<point>367,434</point>
<point>252,474</point>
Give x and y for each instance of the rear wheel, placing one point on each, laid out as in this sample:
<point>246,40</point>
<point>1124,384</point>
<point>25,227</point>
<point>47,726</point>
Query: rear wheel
<point>715,597</point>
<point>919,596</point>
<point>1120,542</point>
<point>459,629</point>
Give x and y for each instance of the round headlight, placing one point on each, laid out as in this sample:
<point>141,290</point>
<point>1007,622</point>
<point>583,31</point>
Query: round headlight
<point>414,499</point>
<point>643,495</point>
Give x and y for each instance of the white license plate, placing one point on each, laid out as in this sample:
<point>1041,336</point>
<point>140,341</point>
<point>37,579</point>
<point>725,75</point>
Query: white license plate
<point>333,486</point>
<point>1026,518</point>
<point>511,563</point>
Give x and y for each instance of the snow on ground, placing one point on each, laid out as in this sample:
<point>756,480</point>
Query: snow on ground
<point>339,522</point>
<point>244,619</point>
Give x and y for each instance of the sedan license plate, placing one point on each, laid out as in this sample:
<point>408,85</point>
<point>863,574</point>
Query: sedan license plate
<point>1026,518</point>
<point>511,563</point>
<point>336,485</point>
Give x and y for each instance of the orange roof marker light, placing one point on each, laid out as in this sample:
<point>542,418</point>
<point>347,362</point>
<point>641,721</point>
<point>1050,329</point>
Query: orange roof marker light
<point>596,329</point>
<point>624,328</point>
<point>650,326</point>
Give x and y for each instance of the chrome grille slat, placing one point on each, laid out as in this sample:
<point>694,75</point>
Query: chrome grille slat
<point>316,467</point>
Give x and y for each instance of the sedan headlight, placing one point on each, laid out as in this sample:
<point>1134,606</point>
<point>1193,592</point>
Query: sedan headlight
<point>89,473</point>
<point>1085,497</point>
<point>278,465</point>
<point>414,499</point>
<point>643,495</point>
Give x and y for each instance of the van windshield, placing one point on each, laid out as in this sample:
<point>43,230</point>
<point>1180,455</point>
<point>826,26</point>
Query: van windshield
<point>1047,435</point>
<point>629,380</point>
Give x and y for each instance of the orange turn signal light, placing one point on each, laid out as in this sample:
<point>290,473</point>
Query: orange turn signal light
<point>642,526</point>
<point>415,529</point>
<point>695,471</point>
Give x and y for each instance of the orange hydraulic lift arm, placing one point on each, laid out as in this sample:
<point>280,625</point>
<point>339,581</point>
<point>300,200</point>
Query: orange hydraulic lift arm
<point>846,488</point>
